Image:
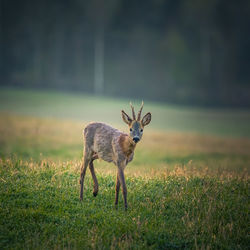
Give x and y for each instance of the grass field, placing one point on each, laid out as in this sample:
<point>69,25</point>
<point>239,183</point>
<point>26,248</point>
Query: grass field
<point>188,186</point>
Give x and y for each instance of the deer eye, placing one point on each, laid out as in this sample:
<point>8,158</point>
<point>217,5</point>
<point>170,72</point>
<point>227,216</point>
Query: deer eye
<point>130,129</point>
<point>141,130</point>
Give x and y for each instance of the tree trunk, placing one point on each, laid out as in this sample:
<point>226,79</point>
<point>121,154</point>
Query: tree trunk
<point>57,48</point>
<point>79,57</point>
<point>205,55</point>
<point>37,59</point>
<point>99,61</point>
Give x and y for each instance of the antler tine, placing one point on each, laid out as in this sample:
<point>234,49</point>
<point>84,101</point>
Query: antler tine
<point>133,111</point>
<point>139,113</point>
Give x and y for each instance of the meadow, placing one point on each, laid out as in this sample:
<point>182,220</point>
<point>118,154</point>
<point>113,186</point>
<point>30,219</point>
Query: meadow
<point>188,185</point>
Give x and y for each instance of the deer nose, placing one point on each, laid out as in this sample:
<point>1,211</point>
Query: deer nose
<point>136,139</point>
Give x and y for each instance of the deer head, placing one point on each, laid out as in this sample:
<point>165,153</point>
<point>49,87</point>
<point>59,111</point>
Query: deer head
<point>136,125</point>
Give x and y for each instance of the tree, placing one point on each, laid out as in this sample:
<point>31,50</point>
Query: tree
<point>100,14</point>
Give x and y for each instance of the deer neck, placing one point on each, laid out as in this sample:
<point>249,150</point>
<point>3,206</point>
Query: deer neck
<point>127,145</point>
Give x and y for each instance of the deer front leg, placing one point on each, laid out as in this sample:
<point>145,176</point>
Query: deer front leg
<point>123,184</point>
<point>117,189</point>
<point>92,170</point>
<point>83,172</point>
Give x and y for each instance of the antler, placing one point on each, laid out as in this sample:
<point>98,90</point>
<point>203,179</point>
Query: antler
<point>139,113</point>
<point>133,111</point>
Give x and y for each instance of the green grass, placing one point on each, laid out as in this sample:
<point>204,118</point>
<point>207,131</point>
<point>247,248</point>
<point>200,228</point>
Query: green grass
<point>40,209</point>
<point>185,189</point>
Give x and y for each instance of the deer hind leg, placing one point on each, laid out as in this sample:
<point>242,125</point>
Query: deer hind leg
<point>117,189</point>
<point>123,184</point>
<point>92,170</point>
<point>85,164</point>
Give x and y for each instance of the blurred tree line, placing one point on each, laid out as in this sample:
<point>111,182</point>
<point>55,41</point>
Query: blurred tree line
<point>179,51</point>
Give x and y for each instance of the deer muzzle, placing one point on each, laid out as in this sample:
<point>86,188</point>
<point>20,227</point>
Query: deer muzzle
<point>136,139</point>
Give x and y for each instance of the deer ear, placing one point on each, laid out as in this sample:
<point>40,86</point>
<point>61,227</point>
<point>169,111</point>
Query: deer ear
<point>146,119</point>
<point>126,118</point>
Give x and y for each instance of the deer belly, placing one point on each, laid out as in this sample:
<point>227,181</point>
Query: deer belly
<point>103,147</point>
<point>104,153</point>
<point>106,156</point>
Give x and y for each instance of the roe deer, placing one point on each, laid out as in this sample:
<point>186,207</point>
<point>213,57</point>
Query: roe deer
<point>111,145</point>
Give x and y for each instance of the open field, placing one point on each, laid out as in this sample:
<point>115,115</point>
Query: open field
<point>187,188</point>
<point>85,108</point>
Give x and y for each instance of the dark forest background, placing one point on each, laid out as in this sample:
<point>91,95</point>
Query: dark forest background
<point>194,52</point>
